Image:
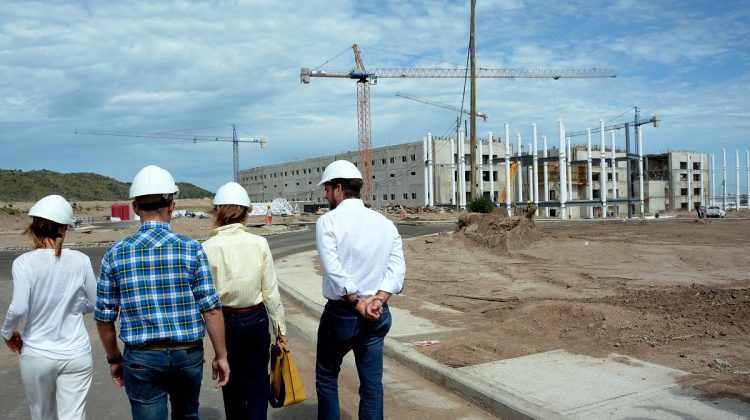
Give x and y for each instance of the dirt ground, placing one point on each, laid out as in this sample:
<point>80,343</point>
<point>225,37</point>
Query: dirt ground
<point>669,291</point>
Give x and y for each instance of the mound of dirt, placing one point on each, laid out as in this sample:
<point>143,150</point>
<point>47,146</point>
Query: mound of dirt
<point>497,231</point>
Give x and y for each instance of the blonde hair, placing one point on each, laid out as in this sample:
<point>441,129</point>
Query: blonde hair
<point>40,230</point>
<point>226,214</point>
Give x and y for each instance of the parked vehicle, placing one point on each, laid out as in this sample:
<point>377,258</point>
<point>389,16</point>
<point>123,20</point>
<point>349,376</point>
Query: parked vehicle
<point>715,211</point>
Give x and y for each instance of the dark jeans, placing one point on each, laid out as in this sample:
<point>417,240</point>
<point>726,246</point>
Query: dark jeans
<point>248,343</point>
<point>341,330</point>
<point>152,375</point>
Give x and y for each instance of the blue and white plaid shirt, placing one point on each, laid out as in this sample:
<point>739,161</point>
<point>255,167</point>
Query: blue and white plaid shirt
<point>159,282</point>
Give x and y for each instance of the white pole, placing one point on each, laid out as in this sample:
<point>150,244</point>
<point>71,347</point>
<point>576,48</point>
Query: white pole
<point>614,171</point>
<point>506,127</point>
<point>640,168</point>
<point>712,195</point>
<point>430,171</point>
<point>461,171</point>
<point>690,182</point>
<point>480,169</point>
<point>492,166</point>
<point>563,171</point>
<point>519,172</point>
<point>569,159</point>
<point>602,169</point>
<point>426,173</point>
<point>546,178</point>
<point>589,174</point>
<point>737,180</point>
<point>453,173</point>
<point>535,168</point>
<point>724,183</point>
<point>700,181</point>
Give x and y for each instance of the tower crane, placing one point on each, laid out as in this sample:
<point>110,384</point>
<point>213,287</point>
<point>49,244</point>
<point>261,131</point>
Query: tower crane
<point>195,138</point>
<point>481,115</point>
<point>365,78</point>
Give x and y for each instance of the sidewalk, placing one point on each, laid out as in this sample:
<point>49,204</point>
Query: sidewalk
<point>549,385</point>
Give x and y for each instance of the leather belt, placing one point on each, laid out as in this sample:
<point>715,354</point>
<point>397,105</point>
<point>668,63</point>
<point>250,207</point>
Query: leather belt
<point>230,310</point>
<point>170,345</point>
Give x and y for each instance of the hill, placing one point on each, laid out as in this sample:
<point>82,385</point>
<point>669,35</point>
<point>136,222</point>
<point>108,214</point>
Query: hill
<point>16,185</point>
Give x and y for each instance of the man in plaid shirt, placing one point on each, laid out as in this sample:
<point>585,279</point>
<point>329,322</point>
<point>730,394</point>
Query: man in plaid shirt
<point>159,284</point>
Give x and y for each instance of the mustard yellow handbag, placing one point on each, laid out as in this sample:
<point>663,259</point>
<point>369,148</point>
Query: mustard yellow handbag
<point>286,384</point>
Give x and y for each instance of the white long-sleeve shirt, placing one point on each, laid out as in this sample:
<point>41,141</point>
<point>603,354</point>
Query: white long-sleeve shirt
<point>243,271</point>
<point>52,294</point>
<point>360,251</point>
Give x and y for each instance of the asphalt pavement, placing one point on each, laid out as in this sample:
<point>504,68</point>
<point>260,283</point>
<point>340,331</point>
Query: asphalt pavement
<point>407,394</point>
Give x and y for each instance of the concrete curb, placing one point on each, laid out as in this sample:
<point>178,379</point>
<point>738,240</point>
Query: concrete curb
<point>497,401</point>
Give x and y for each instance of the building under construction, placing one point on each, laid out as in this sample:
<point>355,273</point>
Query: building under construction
<point>405,174</point>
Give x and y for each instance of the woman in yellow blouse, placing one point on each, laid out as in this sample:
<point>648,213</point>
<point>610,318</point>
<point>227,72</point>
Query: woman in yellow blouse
<point>242,268</point>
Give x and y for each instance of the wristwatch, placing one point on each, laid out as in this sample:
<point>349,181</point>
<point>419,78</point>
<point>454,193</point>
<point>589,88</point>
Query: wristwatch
<point>115,360</point>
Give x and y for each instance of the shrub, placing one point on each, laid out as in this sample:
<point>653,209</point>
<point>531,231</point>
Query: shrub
<point>481,204</point>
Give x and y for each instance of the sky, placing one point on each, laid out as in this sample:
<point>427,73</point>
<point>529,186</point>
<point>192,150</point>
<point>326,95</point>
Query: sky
<point>197,67</point>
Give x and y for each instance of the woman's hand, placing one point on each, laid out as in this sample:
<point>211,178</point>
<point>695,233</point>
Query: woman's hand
<point>15,344</point>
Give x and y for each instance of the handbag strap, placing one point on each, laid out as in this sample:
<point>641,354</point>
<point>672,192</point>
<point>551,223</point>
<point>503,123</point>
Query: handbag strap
<point>278,402</point>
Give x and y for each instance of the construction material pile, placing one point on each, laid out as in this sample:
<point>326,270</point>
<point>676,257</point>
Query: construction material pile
<point>401,209</point>
<point>497,231</point>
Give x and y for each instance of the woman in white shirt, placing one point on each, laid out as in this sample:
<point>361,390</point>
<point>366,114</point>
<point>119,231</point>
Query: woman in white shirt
<point>52,289</point>
<point>243,270</point>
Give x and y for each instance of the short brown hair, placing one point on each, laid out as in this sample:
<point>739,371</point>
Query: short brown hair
<point>41,229</point>
<point>226,214</point>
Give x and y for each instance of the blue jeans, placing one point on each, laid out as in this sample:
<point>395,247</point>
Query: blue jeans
<point>341,330</point>
<point>152,375</point>
<point>248,342</point>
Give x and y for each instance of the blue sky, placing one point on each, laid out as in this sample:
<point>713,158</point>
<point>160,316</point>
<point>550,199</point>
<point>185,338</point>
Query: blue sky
<point>196,67</point>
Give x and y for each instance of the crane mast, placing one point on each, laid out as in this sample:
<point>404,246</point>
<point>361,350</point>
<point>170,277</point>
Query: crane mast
<point>195,138</point>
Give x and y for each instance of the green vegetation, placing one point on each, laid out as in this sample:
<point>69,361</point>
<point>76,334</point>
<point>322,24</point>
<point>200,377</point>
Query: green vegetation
<point>480,204</point>
<point>9,209</point>
<point>16,185</point>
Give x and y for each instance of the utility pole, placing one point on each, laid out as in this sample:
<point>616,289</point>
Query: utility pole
<point>473,106</point>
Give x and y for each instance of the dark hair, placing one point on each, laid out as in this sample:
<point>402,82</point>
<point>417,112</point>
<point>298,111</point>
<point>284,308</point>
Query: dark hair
<point>226,214</point>
<point>153,202</point>
<point>351,186</point>
<point>41,229</point>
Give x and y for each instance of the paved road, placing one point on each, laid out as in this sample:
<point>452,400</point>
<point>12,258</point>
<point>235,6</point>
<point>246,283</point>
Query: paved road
<point>407,395</point>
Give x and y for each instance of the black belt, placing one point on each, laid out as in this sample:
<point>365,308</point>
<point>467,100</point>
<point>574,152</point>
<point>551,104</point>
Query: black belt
<point>230,310</point>
<point>169,345</point>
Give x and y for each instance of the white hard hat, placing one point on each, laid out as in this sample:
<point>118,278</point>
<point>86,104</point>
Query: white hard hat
<point>54,208</point>
<point>232,193</point>
<point>340,169</point>
<point>152,180</point>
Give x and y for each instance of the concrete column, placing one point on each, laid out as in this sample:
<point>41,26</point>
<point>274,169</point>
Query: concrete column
<point>724,182</point>
<point>712,194</point>
<point>700,181</point>
<point>602,169</point>
<point>492,166</point>
<point>613,162</point>
<point>480,170</point>
<point>534,167</point>
<point>430,171</point>
<point>506,128</point>
<point>563,171</point>
<point>546,177</point>
<point>589,174</point>
<point>737,179</point>
<point>426,173</point>
<point>569,159</point>
<point>690,182</point>
<point>519,172</point>
<point>454,175</point>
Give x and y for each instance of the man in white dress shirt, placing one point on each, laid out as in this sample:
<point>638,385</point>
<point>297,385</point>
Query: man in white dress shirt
<point>363,265</point>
